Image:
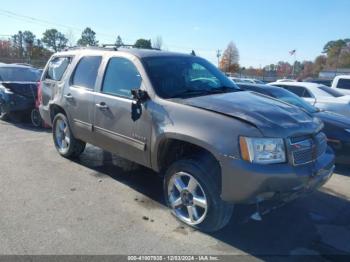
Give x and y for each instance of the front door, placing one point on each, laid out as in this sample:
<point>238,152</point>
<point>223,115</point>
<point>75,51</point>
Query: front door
<point>79,97</point>
<point>121,125</point>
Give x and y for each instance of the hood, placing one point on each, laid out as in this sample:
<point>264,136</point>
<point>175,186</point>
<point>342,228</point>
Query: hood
<point>272,117</point>
<point>330,118</point>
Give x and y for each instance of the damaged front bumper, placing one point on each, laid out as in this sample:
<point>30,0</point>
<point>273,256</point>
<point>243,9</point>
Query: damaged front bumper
<point>247,183</point>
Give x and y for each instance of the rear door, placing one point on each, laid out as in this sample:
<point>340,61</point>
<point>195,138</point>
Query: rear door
<point>121,125</point>
<point>53,75</point>
<point>79,96</point>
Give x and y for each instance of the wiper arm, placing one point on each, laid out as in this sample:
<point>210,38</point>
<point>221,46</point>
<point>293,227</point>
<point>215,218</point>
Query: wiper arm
<point>217,90</point>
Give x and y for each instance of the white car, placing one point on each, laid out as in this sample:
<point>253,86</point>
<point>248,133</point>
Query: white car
<point>246,80</point>
<point>342,84</point>
<point>285,80</point>
<point>321,96</point>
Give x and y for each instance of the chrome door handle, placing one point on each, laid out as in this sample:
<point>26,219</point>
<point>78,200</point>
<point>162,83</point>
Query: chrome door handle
<point>102,106</point>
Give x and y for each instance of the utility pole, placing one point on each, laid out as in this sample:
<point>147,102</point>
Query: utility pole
<point>218,55</point>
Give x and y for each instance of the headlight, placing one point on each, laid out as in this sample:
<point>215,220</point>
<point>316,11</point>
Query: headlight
<point>263,150</point>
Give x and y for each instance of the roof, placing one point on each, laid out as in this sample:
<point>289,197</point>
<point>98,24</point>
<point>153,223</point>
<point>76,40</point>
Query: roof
<point>303,84</point>
<point>140,53</point>
<point>342,76</point>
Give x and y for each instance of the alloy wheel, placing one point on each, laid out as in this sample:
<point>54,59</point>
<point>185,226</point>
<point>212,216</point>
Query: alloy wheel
<point>62,135</point>
<point>187,198</point>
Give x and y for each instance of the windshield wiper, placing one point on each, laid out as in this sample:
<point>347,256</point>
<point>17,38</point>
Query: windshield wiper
<point>217,90</point>
<point>223,89</point>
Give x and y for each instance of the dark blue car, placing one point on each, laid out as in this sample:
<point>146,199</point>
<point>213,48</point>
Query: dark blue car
<point>18,88</point>
<point>336,127</point>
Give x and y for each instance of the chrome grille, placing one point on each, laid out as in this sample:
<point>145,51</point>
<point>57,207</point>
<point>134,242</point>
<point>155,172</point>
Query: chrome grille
<point>306,149</point>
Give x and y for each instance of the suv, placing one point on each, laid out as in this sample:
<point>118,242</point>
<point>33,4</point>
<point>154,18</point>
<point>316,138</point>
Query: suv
<point>342,83</point>
<point>177,114</point>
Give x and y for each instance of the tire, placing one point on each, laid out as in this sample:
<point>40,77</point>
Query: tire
<point>66,144</point>
<point>36,118</point>
<point>3,116</point>
<point>212,213</point>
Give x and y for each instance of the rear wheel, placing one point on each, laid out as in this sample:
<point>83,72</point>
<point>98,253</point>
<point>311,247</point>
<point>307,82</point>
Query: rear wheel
<point>36,118</point>
<point>66,144</point>
<point>192,192</point>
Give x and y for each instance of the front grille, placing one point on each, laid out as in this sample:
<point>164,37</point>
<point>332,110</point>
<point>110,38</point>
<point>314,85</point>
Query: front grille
<point>306,149</point>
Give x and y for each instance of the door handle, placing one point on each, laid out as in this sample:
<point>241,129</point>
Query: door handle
<point>102,106</point>
<point>69,97</point>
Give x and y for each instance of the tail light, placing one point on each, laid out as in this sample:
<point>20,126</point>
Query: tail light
<point>39,100</point>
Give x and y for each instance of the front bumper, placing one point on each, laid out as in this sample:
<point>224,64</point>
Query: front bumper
<point>244,182</point>
<point>14,103</point>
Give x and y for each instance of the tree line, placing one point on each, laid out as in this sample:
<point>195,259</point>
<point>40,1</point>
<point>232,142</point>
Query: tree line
<point>25,46</point>
<point>335,55</point>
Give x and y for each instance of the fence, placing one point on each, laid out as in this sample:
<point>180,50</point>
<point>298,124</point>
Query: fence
<point>39,63</point>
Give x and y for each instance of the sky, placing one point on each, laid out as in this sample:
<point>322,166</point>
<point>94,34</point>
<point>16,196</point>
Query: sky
<point>264,31</point>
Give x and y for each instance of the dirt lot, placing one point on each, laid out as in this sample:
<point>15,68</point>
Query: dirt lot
<point>101,204</point>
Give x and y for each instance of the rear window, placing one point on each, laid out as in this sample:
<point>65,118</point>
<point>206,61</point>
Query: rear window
<point>86,72</point>
<point>344,83</point>
<point>19,74</point>
<point>57,67</point>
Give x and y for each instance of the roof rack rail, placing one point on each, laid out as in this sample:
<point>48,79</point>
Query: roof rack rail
<point>86,47</point>
<point>111,47</point>
<point>116,46</point>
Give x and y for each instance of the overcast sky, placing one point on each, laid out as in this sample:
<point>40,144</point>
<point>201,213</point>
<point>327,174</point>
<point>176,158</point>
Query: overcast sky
<point>263,30</point>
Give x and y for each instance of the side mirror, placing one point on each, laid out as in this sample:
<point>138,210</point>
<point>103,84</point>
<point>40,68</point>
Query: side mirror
<point>139,95</point>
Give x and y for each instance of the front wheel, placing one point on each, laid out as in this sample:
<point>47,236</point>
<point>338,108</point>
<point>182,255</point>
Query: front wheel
<point>66,144</point>
<point>192,192</point>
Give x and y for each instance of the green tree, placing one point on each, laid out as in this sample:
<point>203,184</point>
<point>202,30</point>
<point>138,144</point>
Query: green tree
<point>335,44</point>
<point>119,41</point>
<point>143,43</point>
<point>319,64</point>
<point>18,43</point>
<point>88,38</point>
<point>54,40</point>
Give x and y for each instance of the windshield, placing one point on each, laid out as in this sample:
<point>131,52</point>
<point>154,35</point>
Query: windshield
<point>330,91</point>
<point>292,99</point>
<point>186,76</point>
<point>19,74</point>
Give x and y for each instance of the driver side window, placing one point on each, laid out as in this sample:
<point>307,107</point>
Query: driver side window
<point>121,77</point>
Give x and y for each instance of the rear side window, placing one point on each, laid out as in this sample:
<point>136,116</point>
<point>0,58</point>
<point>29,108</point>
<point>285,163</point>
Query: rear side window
<point>57,67</point>
<point>121,77</point>
<point>86,72</point>
<point>344,83</point>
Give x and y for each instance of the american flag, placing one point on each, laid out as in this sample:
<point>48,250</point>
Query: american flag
<point>292,52</point>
